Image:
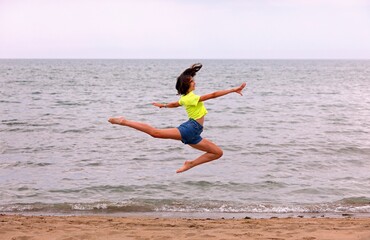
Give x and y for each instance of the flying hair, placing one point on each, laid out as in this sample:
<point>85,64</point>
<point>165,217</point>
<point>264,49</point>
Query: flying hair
<point>183,81</point>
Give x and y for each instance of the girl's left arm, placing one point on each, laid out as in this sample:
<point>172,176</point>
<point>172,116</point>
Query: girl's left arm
<point>166,105</point>
<point>222,93</point>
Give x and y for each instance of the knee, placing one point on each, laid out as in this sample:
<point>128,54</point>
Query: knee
<point>218,153</point>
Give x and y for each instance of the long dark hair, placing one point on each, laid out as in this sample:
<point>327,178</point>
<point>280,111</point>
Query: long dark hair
<point>183,81</point>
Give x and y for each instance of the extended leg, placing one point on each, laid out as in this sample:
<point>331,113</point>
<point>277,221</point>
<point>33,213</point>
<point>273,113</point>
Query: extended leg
<point>213,152</point>
<point>170,133</point>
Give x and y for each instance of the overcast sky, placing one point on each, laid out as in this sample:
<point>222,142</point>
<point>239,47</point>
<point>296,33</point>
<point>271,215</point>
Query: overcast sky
<point>248,29</point>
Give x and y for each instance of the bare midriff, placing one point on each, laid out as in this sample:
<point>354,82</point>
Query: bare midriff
<point>200,120</point>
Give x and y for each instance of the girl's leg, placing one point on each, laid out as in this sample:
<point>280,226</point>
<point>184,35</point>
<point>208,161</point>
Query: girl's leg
<point>170,133</point>
<point>213,152</point>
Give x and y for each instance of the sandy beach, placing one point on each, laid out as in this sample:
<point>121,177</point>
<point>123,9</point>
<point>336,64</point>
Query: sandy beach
<point>16,227</point>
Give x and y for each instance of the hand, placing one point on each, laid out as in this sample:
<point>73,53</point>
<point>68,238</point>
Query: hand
<point>160,105</point>
<point>240,89</point>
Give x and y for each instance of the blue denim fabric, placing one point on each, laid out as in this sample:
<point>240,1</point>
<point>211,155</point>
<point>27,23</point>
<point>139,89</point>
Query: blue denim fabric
<point>190,132</point>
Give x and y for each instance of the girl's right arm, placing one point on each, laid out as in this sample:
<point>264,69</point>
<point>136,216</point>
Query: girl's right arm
<point>222,93</point>
<point>166,105</point>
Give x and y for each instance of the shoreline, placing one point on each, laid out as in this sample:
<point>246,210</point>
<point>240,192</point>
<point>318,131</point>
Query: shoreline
<point>24,227</point>
<point>192,215</point>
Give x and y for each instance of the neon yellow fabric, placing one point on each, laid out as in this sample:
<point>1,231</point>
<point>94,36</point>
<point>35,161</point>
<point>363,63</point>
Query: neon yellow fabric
<point>193,107</point>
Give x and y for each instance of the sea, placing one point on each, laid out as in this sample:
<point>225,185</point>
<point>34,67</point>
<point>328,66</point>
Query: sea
<point>297,143</point>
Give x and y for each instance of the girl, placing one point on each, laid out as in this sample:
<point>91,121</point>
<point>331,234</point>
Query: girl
<point>188,132</point>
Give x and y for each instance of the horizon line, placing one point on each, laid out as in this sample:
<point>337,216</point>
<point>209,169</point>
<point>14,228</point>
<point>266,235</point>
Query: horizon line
<point>1,58</point>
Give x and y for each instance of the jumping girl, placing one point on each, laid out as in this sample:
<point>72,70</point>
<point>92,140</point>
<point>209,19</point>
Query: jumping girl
<point>188,132</point>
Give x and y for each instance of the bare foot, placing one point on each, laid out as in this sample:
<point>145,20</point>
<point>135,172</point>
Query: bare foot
<point>117,120</point>
<point>240,89</point>
<point>187,165</point>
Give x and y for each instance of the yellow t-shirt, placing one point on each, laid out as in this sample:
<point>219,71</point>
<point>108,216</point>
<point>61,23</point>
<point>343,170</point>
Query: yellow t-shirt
<point>193,107</point>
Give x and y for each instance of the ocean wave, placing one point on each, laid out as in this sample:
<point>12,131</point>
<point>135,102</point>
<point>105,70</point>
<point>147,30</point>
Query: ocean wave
<point>351,205</point>
<point>25,164</point>
<point>355,201</point>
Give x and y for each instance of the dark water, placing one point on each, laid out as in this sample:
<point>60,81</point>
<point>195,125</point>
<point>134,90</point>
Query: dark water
<point>298,141</point>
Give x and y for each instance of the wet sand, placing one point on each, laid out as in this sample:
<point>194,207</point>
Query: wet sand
<point>14,227</point>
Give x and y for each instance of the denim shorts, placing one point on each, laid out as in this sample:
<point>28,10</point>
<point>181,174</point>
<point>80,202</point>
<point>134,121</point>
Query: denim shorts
<point>190,132</point>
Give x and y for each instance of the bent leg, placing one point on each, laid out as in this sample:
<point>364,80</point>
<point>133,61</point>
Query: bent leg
<point>170,133</point>
<point>213,152</point>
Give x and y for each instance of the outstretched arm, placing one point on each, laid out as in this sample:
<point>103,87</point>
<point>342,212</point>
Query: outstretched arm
<point>223,92</point>
<point>166,105</point>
